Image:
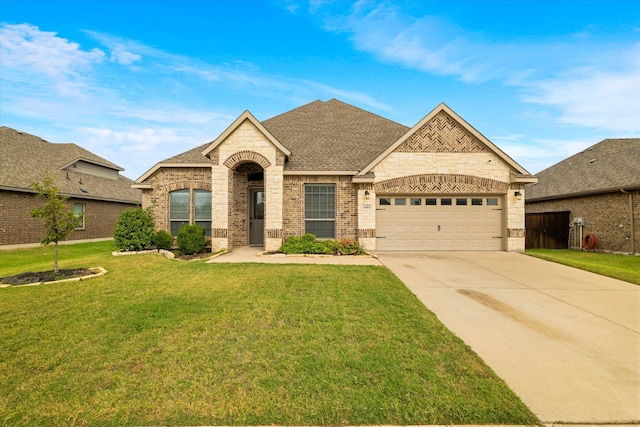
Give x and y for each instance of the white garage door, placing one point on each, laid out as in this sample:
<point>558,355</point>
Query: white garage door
<point>414,223</point>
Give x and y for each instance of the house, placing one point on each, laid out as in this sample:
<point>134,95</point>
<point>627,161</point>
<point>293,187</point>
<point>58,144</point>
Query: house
<point>96,190</point>
<point>595,192</point>
<point>337,171</point>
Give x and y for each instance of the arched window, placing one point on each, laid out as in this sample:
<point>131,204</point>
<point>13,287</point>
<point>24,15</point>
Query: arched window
<point>185,209</point>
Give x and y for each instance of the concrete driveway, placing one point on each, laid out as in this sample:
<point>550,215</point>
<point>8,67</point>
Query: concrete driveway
<point>566,341</point>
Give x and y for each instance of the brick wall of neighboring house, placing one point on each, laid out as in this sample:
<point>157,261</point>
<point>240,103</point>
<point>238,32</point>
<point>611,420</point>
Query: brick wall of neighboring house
<point>166,180</point>
<point>346,204</point>
<point>611,217</point>
<point>18,227</point>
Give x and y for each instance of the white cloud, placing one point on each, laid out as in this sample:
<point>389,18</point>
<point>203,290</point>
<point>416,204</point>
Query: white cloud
<point>26,51</point>
<point>593,98</point>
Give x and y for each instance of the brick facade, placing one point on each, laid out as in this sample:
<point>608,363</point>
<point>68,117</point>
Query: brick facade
<point>614,218</point>
<point>346,204</point>
<point>18,227</point>
<point>166,180</point>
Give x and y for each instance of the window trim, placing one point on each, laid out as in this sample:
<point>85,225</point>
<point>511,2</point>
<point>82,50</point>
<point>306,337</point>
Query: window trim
<point>307,211</point>
<point>192,217</point>
<point>81,216</point>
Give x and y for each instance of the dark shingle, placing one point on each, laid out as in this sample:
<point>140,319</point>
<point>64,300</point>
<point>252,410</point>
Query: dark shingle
<point>26,158</point>
<point>333,136</point>
<point>612,164</point>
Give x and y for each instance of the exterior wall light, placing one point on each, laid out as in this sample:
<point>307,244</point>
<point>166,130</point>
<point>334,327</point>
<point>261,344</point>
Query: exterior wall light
<point>366,194</point>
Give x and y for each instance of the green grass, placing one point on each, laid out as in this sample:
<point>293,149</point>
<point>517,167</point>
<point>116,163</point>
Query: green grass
<point>623,267</point>
<point>164,342</point>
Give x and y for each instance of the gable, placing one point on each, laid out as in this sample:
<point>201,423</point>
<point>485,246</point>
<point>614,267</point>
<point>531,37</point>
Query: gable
<point>442,134</point>
<point>442,131</point>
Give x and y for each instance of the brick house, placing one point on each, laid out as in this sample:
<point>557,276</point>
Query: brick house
<point>96,190</point>
<point>601,185</point>
<point>337,171</point>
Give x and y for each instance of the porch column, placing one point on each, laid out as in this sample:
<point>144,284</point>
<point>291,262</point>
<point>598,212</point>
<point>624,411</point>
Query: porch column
<point>219,207</point>
<point>367,217</point>
<point>274,185</point>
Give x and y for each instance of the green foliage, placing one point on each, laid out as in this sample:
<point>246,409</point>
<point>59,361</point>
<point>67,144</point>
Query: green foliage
<point>191,239</point>
<point>134,230</point>
<point>308,244</point>
<point>163,240</point>
<point>58,218</point>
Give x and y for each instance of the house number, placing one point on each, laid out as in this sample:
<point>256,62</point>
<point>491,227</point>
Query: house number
<point>366,207</point>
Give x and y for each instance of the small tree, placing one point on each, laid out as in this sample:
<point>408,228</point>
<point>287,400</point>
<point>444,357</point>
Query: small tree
<point>58,217</point>
<point>191,239</point>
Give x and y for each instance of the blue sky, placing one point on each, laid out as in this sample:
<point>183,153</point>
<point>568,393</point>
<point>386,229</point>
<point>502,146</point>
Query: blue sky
<point>138,81</point>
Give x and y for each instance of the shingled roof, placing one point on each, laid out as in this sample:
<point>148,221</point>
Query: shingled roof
<point>610,165</point>
<point>26,158</point>
<point>332,136</point>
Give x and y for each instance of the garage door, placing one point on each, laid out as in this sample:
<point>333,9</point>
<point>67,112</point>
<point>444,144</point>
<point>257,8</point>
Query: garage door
<point>414,223</point>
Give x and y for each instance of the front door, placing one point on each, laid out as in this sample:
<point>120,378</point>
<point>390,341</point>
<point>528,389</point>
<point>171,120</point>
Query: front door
<point>256,217</point>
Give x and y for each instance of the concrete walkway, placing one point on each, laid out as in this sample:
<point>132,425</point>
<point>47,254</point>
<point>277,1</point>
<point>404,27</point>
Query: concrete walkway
<point>251,254</point>
<point>565,340</point>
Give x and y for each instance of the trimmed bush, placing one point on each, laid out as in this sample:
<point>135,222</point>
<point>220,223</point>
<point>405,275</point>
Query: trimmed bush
<point>163,240</point>
<point>191,239</point>
<point>308,244</point>
<point>134,230</point>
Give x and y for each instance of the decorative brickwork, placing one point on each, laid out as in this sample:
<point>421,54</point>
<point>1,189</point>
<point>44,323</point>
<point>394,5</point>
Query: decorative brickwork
<point>364,233</point>
<point>614,218</point>
<point>515,232</point>
<point>219,233</point>
<point>239,201</point>
<point>441,183</point>
<point>272,233</point>
<point>442,134</point>
<point>18,227</point>
<point>246,156</point>
<point>346,204</point>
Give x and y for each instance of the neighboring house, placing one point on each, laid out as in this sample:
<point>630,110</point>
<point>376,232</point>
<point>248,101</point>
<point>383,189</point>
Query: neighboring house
<point>337,171</point>
<point>601,186</point>
<point>96,190</point>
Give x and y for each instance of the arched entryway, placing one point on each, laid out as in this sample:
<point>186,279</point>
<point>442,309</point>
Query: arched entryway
<point>247,205</point>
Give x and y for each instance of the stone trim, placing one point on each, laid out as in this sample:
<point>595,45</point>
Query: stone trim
<point>246,156</point>
<point>442,134</point>
<point>219,233</point>
<point>441,183</point>
<point>273,233</point>
<point>364,233</point>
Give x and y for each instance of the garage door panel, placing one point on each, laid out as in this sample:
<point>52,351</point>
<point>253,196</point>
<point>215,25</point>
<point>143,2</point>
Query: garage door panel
<point>416,225</point>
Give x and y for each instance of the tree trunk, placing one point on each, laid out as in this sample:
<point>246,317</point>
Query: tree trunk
<point>55,260</point>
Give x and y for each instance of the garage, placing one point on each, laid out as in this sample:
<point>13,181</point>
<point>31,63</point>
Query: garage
<point>443,223</point>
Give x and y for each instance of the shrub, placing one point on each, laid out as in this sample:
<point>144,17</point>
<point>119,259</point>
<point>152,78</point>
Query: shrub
<point>163,240</point>
<point>134,230</point>
<point>191,239</point>
<point>348,246</point>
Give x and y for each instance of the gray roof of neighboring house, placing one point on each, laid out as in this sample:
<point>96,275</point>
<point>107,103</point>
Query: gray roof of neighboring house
<point>332,136</point>
<point>26,158</point>
<point>610,165</point>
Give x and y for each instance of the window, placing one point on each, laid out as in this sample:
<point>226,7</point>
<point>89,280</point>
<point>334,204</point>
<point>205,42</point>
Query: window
<point>445,202</point>
<point>320,209</point>
<point>385,201</point>
<point>430,201</point>
<point>180,210</point>
<point>400,201</point>
<point>415,201</point>
<point>202,211</point>
<point>492,202</point>
<point>476,202</point>
<point>78,216</point>
<point>461,202</point>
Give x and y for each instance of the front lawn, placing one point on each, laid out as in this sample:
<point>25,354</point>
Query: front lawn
<point>623,267</point>
<point>164,342</point>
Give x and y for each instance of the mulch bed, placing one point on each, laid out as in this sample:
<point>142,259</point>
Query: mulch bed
<point>46,276</point>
